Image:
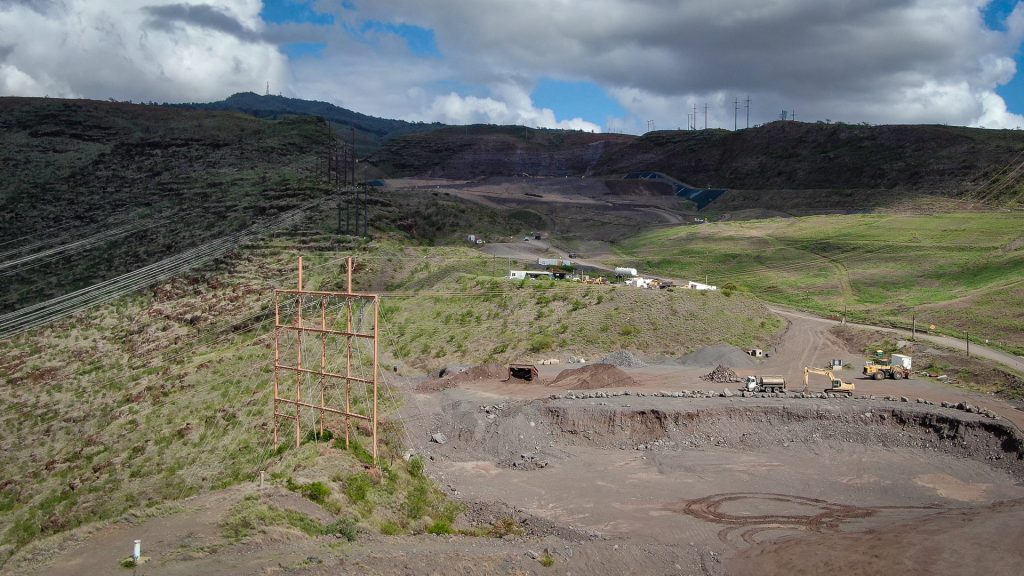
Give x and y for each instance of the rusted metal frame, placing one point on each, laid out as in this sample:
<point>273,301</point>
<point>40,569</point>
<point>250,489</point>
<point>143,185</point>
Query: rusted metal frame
<point>322,374</point>
<point>376,319</point>
<point>277,361</point>
<point>326,331</point>
<point>328,374</point>
<point>298,373</point>
<point>323,358</point>
<point>364,295</point>
<point>348,348</point>
<point>326,409</point>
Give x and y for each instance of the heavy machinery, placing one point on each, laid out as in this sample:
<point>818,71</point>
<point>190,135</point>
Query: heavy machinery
<point>897,367</point>
<point>837,386</point>
<point>766,384</point>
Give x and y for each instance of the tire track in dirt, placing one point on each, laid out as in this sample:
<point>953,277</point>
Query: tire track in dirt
<point>744,528</point>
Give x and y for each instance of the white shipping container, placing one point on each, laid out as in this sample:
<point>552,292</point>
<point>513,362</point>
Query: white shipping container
<point>901,360</point>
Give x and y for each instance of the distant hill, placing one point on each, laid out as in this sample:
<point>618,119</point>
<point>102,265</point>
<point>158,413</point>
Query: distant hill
<point>371,132</point>
<point>776,156</point>
<point>91,190</point>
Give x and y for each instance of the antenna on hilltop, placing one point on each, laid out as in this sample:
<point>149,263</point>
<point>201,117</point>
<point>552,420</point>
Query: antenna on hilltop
<point>268,89</point>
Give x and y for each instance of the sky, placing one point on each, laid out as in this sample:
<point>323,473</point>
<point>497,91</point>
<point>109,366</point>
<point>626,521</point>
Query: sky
<point>595,65</point>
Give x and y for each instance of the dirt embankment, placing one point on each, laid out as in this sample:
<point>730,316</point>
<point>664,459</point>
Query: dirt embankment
<point>474,374</point>
<point>656,424</point>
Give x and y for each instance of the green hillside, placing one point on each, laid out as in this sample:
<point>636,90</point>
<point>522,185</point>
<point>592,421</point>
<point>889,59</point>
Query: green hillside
<point>960,271</point>
<point>90,190</point>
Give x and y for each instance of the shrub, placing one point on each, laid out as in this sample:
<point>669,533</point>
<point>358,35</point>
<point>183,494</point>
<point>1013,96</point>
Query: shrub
<point>416,467</point>
<point>440,527</point>
<point>390,528</point>
<point>346,527</point>
<point>506,526</point>
<point>418,498</point>
<point>316,491</point>
<point>541,343</point>
<point>358,486</point>
<point>546,559</point>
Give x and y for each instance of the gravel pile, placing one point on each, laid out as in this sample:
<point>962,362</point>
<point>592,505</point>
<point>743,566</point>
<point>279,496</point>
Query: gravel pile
<point>623,359</point>
<point>721,374</point>
<point>593,376</point>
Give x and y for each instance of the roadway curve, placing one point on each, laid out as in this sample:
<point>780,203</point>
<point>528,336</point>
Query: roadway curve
<point>1004,358</point>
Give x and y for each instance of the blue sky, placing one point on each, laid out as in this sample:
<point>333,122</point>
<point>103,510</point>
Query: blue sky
<point>1012,92</point>
<point>567,96</point>
<point>613,65</point>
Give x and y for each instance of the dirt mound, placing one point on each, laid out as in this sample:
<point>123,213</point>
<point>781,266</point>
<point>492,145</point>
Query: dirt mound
<point>474,374</point>
<point>721,374</point>
<point>717,355</point>
<point>623,359</point>
<point>593,376</point>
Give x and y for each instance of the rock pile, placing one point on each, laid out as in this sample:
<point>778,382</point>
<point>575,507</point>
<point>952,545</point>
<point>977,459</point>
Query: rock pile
<point>721,374</point>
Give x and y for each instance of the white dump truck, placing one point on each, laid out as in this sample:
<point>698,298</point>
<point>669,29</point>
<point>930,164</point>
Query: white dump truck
<point>766,384</point>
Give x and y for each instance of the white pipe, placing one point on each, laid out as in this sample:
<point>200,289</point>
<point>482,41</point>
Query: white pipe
<point>137,552</point>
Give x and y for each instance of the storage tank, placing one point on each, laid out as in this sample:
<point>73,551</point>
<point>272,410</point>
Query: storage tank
<point>625,272</point>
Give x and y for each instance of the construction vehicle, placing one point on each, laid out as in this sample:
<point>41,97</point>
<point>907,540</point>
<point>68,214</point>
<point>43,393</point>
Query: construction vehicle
<point>766,384</point>
<point>837,386</point>
<point>526,372</point>
<point>896,367</point>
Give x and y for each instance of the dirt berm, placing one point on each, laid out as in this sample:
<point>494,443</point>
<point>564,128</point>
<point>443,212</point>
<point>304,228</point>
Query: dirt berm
<point>665,424</point>
<point>593,376</point>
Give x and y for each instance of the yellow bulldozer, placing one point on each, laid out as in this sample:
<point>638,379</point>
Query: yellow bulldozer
<point>896,367</point>
<point>837,386</point>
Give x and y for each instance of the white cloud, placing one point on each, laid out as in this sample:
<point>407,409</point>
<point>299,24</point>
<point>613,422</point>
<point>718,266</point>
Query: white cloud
<point>138,50</point>
<point>880,61</point>
<point>512,106</point>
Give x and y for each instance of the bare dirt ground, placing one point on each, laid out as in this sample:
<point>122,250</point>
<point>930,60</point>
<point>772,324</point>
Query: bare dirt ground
<point>639,478</point>
<point>580,210</point>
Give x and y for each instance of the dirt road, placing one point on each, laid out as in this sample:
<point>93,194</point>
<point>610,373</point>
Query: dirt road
<point>1009,360</point>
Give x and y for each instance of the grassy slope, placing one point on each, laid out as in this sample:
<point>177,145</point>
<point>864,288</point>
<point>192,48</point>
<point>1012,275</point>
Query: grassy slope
<point>961,271</point>
<point>455,305</point>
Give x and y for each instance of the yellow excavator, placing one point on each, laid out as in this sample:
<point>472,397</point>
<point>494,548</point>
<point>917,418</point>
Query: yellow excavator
<point>837,386</point>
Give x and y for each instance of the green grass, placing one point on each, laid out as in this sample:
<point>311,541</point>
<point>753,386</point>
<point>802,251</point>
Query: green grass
<point>251,516</point>
<point>877,267</point>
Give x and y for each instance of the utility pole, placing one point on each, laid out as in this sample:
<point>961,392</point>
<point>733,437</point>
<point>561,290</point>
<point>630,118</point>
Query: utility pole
<point>705,115</point>
<point>968,337</point>
<point>735,114</point>
<point>748,111</point>
<point>913,327</point>
<point>694,115</point>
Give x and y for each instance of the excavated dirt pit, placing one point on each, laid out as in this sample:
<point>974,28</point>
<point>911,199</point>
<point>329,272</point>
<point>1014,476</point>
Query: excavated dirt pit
<point>752,485</point>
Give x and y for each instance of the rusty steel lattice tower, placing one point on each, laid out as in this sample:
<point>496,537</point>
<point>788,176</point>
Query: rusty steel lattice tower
<point>331,386</point>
